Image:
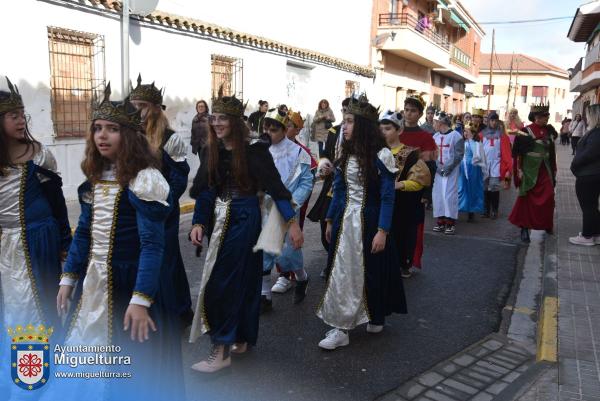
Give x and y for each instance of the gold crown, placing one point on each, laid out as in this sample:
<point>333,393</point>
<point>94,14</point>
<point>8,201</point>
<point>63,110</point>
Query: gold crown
<point>418,98</point>
<point>147,93</point>
<point>14,101</point>
<point>540,108</point>
<point>123,113</point>
<point>362,107</point>
<point>469,126</point>
<point>477,112</point>
<point>228,105</point>
<point>280,116</point>
<point>296,118</point>
<point>30,333</point>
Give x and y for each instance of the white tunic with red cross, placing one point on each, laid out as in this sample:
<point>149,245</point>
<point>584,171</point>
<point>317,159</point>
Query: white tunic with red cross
<point>445,188</point>
<point>492,149</point>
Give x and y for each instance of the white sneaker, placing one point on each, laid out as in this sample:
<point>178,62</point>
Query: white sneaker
<point>281,285</point>
<point>374,328</point>
<point>334,338</point>
<point>581,240</point>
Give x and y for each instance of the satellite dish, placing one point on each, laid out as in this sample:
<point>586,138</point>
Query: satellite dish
<point>142,7</point>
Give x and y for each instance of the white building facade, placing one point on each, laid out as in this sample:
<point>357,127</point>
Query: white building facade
<point>65,51</point>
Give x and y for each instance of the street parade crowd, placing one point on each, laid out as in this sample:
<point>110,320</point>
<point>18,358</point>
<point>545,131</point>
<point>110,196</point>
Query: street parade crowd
<point>119,279</point>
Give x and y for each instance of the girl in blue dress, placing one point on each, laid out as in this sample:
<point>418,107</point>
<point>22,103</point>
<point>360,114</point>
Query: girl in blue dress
<point>470,182</point>
<point>365,284</point>
<point>228,211</point>
<point>116,257</point>
<point>172,150</point>
<point>34,228</point>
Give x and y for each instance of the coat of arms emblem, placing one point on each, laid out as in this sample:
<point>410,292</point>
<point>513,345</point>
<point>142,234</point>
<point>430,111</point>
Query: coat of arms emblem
<point>30,355</point>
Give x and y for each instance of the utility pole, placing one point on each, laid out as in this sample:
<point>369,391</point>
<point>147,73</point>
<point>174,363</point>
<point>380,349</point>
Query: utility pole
<point>516,83</point>
<point>509,85</point>
<point>490,82</point>
<point>125,49</point>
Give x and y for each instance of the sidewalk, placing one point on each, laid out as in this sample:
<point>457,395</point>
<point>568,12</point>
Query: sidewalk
<point>578,376</point>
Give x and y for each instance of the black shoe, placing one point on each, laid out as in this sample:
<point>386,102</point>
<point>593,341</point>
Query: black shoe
<point>486,215</point>
<point>300,291</point>
<point>494,215</point>
<point>525,235</point>
<point>471,218</point>
<point>266,305</point>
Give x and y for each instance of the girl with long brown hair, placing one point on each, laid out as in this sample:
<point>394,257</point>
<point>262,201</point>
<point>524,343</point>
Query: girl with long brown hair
<point>171,149</point>
<point>34,227</point>
<point>364,285</point>
<point>228,211</point>
<point>115,259</point>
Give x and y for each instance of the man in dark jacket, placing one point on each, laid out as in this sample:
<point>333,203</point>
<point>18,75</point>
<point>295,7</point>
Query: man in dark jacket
<point>586,168</point>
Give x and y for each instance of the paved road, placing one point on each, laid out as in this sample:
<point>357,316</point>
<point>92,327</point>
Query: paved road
<point>455,301</point>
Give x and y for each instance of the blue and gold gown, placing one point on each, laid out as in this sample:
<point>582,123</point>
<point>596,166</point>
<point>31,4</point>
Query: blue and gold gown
<point>229,299</point>
<point>116,260</point>
<point>470,182</point>
<point>34,231</point>
<point>362,287</point>
<point>175,288</point>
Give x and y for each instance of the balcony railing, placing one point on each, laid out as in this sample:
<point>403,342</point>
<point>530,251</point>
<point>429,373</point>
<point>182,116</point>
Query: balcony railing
<point>577,67</point>
<point>460,58</point>
<point>409,21</point>
<point>592,56</point>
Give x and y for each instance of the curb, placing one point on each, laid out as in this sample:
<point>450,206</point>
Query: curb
<point>187,207</point>
<point>547,339</point>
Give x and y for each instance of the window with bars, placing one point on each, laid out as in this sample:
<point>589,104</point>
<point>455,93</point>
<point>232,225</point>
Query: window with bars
<point>77,78</point>
<point>227,72</point>
<point>524,93</point>
<point>352,87</point>
<point>539,94</point>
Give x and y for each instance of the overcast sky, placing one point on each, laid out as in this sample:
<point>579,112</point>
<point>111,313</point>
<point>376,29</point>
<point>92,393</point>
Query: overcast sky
<point>545,40</point>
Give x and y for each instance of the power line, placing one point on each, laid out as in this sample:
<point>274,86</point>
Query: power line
<point>524,21</point>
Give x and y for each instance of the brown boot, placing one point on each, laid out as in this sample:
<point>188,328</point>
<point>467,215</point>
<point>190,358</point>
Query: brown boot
<point>218,359</point>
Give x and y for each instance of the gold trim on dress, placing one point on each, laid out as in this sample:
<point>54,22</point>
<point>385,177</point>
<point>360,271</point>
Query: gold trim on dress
<point>34,290</point>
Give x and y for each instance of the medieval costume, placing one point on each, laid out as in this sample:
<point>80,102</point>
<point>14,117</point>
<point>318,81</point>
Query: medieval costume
<point>477,117</point>
<point>513,125</point>
<point>293,164</point>
<point>445,186</point>
<point>318,213</point>
<point>473,170</point>
<point>417,137</point>
<point>535,176</point>
<point>34,236</point>
<point>175,169</point>
<point>230,290</point>
<point>408,209</point>
<point>363,287</point>
<point>115,261</point>
<point>34,231</point>
<point>497,149</point>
